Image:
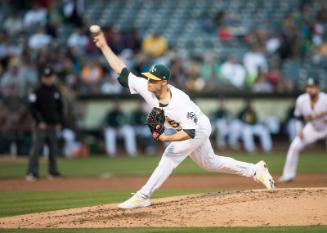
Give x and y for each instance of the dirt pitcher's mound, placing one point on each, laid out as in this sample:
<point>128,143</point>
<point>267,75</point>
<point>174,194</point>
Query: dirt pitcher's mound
<point>285,207</point>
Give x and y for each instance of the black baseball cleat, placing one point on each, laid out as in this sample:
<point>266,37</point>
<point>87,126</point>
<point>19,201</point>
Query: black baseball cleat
<point>55,176</point>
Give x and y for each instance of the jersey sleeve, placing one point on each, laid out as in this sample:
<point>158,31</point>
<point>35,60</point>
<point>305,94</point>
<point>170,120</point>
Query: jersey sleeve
<point>137,85</point>
<point>297,110</point>
<point>188,118</point>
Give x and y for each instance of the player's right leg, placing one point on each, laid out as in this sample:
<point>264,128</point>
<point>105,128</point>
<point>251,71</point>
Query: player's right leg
<point>205,157</point>
<point>174,154</point>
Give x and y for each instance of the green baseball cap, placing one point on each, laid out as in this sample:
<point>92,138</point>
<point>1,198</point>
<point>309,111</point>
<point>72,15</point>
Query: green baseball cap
<point>312,81</point>
<point>158,72</point>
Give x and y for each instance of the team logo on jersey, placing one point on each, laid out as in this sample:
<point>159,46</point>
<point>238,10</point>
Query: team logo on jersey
<point>192,116</point>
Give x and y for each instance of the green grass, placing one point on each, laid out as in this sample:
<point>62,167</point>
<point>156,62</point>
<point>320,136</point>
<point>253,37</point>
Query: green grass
<point>123,166</point>
<point>16,203</point>
<point>313,229</point>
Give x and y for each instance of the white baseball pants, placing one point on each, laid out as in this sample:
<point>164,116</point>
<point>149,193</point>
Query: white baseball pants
<point>222,127</point>
<point>248,133</point>
<point>310,135</point>
<point>127,133</point>
<point>201,152</point>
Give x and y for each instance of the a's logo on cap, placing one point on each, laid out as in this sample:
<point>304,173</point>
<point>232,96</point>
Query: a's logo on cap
<point>154,69</point>
<point>311,81</point>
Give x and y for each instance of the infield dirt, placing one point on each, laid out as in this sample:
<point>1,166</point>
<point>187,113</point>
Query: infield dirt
<point>284,207</point>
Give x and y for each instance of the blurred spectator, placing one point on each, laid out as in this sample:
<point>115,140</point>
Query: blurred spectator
<point>7,51</point>
<point>28,73</point>
<point>233,72</point>
<point>39,40</point>
<point>253,60</point>
<point>228,26</point>
<point>262,83</point>
<point>111,86</point>
<point>3,125</point>
<point>132,41</point>
<point>155,45</point>
<point>55,14</point>
<point>36,16</point>
<point>142,132</point>
<point>77,39</point>
<point>257,38</point>
<point>116,125</point>
<point>117,41</point>
<point>13,24</point>
<point>224,34</point>
<point>210,69</point>
<point>14,127</point>
<point>92,74</point>
<point>273,44</point>
<point>73,12</point>
<point>178,73</point>
<point>13,78</point>
<point>194,81</point>
<point>289,37</point>
<point>219,18</point>
<point>318,32</point>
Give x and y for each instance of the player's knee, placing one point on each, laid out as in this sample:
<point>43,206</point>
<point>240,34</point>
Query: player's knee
<point>167,163</point>
<point>296,145</point>
<point>176,150</point>
<point>209,164</point>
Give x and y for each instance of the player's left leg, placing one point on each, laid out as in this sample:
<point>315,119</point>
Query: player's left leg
<point>310,135</point>
<point>174,154</point>
<point>205,157</point>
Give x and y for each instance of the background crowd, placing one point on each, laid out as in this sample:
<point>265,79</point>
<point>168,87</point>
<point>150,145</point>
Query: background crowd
<point>47,32</point>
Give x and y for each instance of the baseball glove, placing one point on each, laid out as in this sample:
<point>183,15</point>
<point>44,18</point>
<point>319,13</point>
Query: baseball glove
<point>155,121</point>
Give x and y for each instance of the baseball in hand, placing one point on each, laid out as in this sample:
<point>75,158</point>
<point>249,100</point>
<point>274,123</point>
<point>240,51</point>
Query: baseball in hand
<point>95,29</point>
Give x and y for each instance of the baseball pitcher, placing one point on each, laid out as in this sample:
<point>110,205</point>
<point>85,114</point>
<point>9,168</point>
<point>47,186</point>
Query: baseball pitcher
<point>174,109</point>
<point>311,109</point>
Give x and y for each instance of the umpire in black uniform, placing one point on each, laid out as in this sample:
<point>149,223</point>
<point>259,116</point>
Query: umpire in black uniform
<point>47,110</point>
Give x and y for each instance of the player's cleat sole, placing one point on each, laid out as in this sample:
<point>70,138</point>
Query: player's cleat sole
<point>136,201</point>
<point>263,176</point>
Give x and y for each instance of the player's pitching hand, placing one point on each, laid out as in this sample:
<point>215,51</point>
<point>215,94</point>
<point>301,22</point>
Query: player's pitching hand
<point>100,40</point>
